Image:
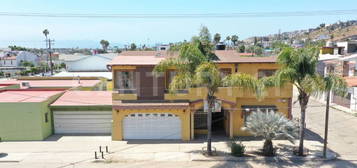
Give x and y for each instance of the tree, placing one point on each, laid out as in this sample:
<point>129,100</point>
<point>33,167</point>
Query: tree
<point>133,46</point>
<point>18,48</point>
<point>298,66</point>
<point>257,50</point>
<point>277,46</point>
<point>228,38</point>
<point>271,125</point>
<point>205,35</point>
<point>337,85</point>
<point>242,49</point>
<point>234,40</point>
<point>26,64</point>
<point>46,33</point>
<point>217,38</point>
<point>195,69</point>
<point>105,44</point>
<point>322,25</point>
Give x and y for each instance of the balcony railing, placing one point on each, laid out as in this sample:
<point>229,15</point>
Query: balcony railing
<point>126,91</point>
<point>178,91</point>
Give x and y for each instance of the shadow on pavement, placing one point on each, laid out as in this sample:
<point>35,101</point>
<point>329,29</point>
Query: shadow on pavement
<point>3,155</point>
<point>310,135</point>
<point>57,137</point>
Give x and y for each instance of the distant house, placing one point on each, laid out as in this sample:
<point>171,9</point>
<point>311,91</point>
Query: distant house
<point>81,83</point>
<point>11,61</point>
<point>16,58</point>
<point>92,63</point>
<point>163,47</point>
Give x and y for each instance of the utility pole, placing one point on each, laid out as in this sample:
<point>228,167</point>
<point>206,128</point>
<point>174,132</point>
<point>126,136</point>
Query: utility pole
<point>326,123</point>
<point>50,54</point>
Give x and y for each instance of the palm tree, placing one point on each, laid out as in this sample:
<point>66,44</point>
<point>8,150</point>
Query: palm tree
<point>46,32</point>
<point>271,125</point>
<point>234,40</point>
<point>195,69</point>
<point>337,85</point>
<point>228,38</point>
<point>298,66</point>
<point>105,44</point>
<point>217,38</point>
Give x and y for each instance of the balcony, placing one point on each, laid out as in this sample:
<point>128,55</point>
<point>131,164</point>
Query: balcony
<point>125,94</point>
<point>126,91</point>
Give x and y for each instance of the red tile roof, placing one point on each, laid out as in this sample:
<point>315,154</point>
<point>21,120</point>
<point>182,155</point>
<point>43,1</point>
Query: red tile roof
<point>11,96</point>
<point>54,83</point>
<point>154,57</point>
<point>84,98</point>
<point>9,58</point>
<point>136,60</point>
<point>232,56</point>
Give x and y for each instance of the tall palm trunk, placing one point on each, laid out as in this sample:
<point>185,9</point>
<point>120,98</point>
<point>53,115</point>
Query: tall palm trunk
<point>210,102</point>
<point>303,100</point>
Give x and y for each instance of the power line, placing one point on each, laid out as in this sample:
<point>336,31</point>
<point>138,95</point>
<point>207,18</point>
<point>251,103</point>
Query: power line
<point>184,15</point>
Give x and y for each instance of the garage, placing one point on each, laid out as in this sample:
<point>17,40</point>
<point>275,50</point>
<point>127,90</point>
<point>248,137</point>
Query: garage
<point>83,112</point>
<point>82,122</point>
<point>151,126</point>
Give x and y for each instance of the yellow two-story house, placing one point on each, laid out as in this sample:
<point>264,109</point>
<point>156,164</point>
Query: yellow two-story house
<point>143,109</point>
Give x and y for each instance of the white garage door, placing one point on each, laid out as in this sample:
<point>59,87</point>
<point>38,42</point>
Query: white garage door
<point>82,122</point>
<point>152,126</point>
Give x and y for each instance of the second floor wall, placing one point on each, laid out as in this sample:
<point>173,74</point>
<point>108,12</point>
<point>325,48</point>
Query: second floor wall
<point>139,83</point>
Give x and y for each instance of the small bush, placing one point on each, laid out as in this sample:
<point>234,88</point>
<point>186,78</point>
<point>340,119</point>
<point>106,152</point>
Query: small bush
<point>237,149</point>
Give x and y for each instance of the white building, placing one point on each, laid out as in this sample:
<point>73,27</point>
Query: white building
<point>92,63</point>
<point>16,58</point>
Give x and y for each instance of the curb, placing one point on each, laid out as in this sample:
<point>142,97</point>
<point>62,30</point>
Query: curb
<point>270,159</point>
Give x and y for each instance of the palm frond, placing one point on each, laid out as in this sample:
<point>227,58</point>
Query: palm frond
<point>208,75</point>
<point>166,64</point>
<point>271,125</point>
<point>182,80</point>
<point>336,84</point>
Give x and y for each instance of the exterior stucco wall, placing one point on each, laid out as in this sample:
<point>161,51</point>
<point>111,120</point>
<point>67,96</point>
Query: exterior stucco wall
<point>25,121</point>
<point>21,121</point>
<point>278,96</point>
<point>238,119</point>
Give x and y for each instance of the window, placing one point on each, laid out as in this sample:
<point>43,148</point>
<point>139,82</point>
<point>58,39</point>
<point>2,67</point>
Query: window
<point>265,73</point>
<point>125,80</point>
<point>225,72</point>
<point>46,117</point>
<point>247,110</point>
<point>170,77</point>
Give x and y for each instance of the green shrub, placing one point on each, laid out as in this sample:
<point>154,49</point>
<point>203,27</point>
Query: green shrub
<point>237,149</point>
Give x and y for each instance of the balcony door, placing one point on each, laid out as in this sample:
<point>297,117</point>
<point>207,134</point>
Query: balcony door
<point>150,87</point>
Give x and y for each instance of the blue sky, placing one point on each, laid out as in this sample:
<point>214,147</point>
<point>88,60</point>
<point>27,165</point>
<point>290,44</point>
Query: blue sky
<point>84,32</point>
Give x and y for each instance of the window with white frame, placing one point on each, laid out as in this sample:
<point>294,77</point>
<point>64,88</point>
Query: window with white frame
<point>125,80</point>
